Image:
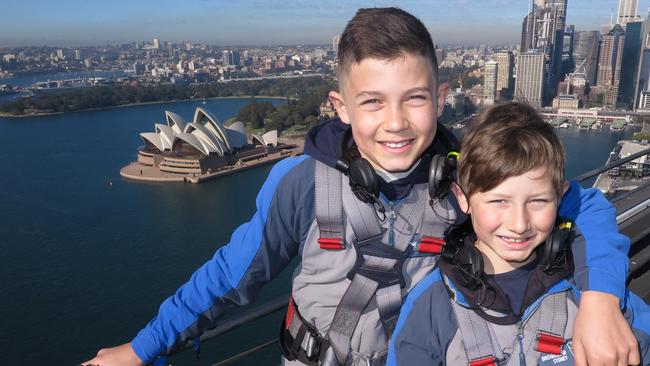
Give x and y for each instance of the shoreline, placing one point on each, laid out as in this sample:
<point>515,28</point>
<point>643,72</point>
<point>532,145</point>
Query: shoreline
<point>7,115</point>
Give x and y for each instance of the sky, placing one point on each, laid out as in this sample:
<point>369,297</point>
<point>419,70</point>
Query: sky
<point>263,23</point>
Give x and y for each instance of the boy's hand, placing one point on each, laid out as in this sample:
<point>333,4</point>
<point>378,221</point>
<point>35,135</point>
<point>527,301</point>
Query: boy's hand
<point>122,355</point>
<point>601,335</point>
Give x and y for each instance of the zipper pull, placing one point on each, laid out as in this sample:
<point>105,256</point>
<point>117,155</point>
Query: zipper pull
<point>522,356</point>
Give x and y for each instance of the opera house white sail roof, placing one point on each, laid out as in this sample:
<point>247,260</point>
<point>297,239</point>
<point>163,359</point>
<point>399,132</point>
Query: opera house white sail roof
<point>204,135</point>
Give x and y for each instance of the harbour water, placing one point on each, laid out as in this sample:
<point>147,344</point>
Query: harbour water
<point>87,257</point>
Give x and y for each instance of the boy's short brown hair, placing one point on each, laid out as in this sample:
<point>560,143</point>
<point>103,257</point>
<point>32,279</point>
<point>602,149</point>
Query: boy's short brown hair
<point>384,33</point>
<point>509,140</point>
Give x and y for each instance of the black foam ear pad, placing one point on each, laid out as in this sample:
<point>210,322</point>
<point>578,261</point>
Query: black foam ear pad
<point>553,251</point>
<point>440,176</point>
<point>363,180</point>
<point>469,261</point>
<point>436,170</point>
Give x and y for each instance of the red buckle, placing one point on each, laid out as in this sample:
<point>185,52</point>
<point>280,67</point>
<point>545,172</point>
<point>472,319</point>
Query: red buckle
<point>331,243</point>
<point>429,244</point>
<point>290,312</point>
<point>485,361</point>
<point>549,343</point>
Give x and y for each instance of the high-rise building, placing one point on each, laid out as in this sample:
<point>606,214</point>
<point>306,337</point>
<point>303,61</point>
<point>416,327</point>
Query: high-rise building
<point>644,100</point>
<point>156,43</point>
<point>226,57</point>
<point>440,55</point>
<point>643,75</point>
<point>543,30</point>
<point>77,54</point>
<point>586,45</point>
<point>609,65</point>
<point>59,54</point>
<point>630,64</point>
<point>490,82</point>
<point>530,78</point>
<point>626,12</point>
<point>567,51</point>
<point>505,80</point>
<point>236,58</point>
<point>335,43</point>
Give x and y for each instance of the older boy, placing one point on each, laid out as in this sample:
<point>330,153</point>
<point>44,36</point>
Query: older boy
<point>503,292</point>
<point>355,244</point>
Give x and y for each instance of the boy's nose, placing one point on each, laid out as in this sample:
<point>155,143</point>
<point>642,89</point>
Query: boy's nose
<point>517,221</point>
<point>396,119</point>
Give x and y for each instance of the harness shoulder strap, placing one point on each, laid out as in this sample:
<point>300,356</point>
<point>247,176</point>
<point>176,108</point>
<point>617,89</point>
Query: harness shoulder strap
<point>542,332</point>
<point>329,208</point>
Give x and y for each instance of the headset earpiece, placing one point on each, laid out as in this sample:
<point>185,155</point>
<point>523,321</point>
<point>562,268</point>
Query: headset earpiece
<point>441,175</point>
<point>360,173</point>
<point>363,180</point>
<point>469,263</point>
<point>555,250</point>
<point>463,255</point>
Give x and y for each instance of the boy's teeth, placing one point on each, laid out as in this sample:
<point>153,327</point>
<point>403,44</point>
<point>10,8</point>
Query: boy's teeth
<point>396,144</point>
<point>512,240</point>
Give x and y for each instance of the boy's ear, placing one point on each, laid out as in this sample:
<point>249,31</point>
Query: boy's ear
<point>463,203</point>
<point>443,91</point>
<point>565,187</point>
<point>339,105</point>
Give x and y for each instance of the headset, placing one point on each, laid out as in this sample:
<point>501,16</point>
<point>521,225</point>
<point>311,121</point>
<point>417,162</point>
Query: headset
<point>459,251</point>
<point>363,178</point>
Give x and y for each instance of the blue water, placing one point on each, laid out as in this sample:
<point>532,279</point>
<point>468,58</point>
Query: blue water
<point>87,257</point>
<point>84,263</point>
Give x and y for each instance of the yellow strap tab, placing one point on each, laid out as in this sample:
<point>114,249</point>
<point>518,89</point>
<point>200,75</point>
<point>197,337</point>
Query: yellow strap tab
<point>565,225</point>
<point>453,153</point>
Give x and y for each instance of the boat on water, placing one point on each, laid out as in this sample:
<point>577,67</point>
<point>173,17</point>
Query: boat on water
<point>587,123</point>
<point>618,125</point>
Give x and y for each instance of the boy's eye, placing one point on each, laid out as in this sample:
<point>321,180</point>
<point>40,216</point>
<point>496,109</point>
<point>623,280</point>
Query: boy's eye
<point>540,200</point>
<point>422,97</point>
<point>370,101</point>
<point>417,98</point>
<point>497,201</point>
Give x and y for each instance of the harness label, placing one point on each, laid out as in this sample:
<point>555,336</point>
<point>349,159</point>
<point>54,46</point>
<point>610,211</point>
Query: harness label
<point>565,358</point>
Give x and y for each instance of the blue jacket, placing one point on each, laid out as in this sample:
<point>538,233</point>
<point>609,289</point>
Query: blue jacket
<point>427,330</point>
<point>259,249</point>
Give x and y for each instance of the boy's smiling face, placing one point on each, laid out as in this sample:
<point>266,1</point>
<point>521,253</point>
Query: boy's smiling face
<point>512,219</point>
<point>392,107</point>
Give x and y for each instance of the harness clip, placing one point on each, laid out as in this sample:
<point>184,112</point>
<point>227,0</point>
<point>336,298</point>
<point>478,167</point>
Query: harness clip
<point>331,243</point>
<point>549,343</point>
<point>429,244</point>
<point>485,361</point>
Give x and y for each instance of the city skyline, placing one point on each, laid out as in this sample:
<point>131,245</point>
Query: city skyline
<point>86,23</point>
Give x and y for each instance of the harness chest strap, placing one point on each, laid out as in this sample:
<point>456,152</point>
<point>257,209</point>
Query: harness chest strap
<point>543,332</point>
<point>330,215</point>
<point>378,271</point>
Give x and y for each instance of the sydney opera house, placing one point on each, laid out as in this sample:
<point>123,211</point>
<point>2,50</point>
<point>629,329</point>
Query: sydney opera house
<point>200,147</point>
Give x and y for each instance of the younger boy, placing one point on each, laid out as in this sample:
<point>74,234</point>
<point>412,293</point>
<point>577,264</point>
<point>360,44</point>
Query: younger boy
<point>503,292</point>
<point>352,208</point>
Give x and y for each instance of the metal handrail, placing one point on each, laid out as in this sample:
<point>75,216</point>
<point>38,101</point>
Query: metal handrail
<point>280,302</point>
<point>592,173</point>
<point>228,325</point>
